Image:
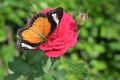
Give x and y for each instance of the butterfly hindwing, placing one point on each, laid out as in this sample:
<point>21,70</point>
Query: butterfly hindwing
<point>41,26</point>
<point>22,43</point>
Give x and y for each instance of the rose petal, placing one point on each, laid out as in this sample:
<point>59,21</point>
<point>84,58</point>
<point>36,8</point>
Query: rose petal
<point>56,52</point>
<point>64,37</point>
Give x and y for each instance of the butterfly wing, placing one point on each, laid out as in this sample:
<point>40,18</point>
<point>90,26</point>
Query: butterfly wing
<point>41,26</point>
<point>31,37</point>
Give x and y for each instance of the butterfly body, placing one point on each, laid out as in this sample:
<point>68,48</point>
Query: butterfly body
<point>41,26</point>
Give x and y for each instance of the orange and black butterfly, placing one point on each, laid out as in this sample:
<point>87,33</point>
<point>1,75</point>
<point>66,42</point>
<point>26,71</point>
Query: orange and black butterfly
<point>41,26</point>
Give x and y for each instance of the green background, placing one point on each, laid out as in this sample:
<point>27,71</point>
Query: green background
<point>98,44</point>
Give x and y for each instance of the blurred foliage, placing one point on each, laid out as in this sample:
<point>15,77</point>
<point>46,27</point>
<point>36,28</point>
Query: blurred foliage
<point>95,56</point>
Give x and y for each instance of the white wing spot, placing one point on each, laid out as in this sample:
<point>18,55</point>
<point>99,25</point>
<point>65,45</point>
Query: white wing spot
<point>28,46</point>
<point>55,18</point>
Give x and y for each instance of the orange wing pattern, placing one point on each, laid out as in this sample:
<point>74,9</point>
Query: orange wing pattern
<point>38,32</point>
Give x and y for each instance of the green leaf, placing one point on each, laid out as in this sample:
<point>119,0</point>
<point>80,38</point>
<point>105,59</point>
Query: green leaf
<point>19,66</point>
<point>77,67</point>
<point>99,20</point>
<point>7,52</point>
<point>117,57</point>
<point>33,56</point>
<point>1,72</point>
<point>38,78</point>
<point>2,35</point>
<point>48,65</point>
<point>59,75</point>
<point>117,17</point>
<point>98,65</point>
<point>11,77</point>
<point>115,45</point>
<point>84,33</point>
<point>30,78</point>
<point>49,77</point>
<point>55,64</point>
<point>37,69</point>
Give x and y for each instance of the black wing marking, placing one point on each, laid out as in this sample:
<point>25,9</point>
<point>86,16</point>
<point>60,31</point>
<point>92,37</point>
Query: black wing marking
<point>35,16</point>
<point>59,13</point>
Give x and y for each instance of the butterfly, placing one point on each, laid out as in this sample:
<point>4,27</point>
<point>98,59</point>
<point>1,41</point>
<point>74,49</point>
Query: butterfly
<point>40,28</point>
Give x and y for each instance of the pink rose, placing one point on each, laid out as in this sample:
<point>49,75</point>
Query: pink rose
<point>64,37</point>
